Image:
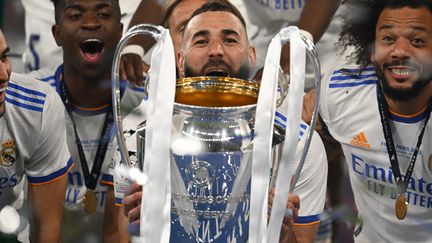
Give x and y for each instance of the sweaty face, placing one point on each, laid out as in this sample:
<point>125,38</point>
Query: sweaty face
<point>178,18</point>
<point>402,52</point>
<point>216,44</point>
<point>88,31</point>
<point>5,71</point>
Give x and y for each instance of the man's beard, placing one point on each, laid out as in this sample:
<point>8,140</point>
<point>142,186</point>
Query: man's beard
<point>242,73</point>
<point>406,94</point>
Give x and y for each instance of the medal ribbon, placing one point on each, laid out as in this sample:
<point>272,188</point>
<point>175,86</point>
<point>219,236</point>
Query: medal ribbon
<point>90,179</point>
<point>391,150</point>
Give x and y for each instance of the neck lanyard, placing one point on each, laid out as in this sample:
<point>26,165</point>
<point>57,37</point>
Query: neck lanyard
<point>383,110</point>
<point>90,179</point>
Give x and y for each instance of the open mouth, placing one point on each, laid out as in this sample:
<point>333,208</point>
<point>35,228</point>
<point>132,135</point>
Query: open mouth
<point>401,73</point>
<point>217,73</point>
<point>91,49</point>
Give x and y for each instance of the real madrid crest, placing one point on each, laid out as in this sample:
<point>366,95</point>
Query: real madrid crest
<point>8,153</point>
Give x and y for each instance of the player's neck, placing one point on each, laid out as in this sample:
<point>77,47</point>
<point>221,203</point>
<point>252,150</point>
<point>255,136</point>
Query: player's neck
<point>87,92</point>
<point>414,106</point>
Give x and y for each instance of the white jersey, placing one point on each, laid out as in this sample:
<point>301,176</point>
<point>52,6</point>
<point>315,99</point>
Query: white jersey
<point>311,186</point>
<point>349,108</point>
<point>265,18</point>
<point>41,48</point>
<point>32,139</point>
<point>89,123</point>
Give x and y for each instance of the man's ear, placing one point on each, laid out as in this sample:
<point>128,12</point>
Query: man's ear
<point>180,64</point>
<point>56,34</point>
<point>372,54</point>
<point>252,56</point>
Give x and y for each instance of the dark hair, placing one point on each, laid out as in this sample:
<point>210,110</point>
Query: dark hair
<point>216,6</point>
<point>57,10</point>
<point>358,28</point>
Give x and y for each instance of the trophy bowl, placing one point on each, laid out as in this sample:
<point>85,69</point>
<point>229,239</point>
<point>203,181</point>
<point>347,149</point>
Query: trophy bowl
<point>212,139</point>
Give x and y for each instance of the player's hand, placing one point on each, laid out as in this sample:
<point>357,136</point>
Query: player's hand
<point>307,112</point>
<point>292,206</point>
<point>258,75</point>
<point>132,203</point>
<point>132,68</point>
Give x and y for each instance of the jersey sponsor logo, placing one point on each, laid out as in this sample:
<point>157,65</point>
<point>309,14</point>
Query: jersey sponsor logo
<point>8,153</point>
<point>360,141</point>
<point>379,180</point>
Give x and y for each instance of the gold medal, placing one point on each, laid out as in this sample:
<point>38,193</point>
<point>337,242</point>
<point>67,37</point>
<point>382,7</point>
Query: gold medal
<point>401,206</point>
<point>90,202</point>
<point>430,162</point>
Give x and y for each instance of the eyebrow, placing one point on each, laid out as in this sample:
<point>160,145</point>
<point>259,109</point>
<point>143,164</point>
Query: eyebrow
<point>201,33</point>
<point>230,32</point>
<point>5,51</point>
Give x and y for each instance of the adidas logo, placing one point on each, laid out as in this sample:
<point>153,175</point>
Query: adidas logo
<point>360,141</point>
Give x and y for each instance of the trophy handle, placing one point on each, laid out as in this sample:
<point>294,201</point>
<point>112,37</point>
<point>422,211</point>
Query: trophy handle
<point>141,29</point>
<point>312,54</point>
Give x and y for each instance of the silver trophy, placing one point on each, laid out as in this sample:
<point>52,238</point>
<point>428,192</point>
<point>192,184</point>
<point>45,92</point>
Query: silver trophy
<point>206,196</point>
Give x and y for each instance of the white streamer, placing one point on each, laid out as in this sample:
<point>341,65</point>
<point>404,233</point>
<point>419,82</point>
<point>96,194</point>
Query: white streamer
<point>294,109</point>
<point>157,192</point>
<point>262,143</point>
<point>258,230</point>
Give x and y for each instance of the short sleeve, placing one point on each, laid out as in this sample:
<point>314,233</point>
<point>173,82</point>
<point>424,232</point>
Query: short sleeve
<point>51,160</point>
<point>312,184</point>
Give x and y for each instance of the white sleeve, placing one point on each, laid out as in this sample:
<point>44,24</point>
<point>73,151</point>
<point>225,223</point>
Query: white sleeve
<point>323,105</point>
<point>51,160</point>
<point>312,184</point>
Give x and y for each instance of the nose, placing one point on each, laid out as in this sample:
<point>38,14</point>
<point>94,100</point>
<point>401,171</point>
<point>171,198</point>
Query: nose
<point>400,50</point>
<point>90,21</point>
<point>4,75</point>
<point>216,49</point>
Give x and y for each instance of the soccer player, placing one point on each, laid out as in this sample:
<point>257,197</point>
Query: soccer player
<point>33,148</point>
<point>221,47</point>
<point>379,110</point>
<point>41,49</point>
<point>88,32</point>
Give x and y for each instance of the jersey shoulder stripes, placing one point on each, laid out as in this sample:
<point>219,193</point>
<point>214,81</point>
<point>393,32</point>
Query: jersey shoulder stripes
<point>35,118</point>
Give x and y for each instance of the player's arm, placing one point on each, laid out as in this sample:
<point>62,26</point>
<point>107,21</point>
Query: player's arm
<point>311,187</point>
<point>132,66</point>
<point>315,18</point>
<point>47,171</point>
<point>110,218</point>
<point>46,207</point>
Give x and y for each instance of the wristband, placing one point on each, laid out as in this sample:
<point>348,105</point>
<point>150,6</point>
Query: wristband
<point>136,49</point>
<point>307,34</point>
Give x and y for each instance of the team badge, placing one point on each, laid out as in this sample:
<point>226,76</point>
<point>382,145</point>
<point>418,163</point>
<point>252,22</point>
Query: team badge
<point>8,153</point>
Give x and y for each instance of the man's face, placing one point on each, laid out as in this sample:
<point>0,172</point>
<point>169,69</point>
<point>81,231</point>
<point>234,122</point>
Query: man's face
<point>88,31</point>
<point>402,52</point>
<point>5,71</point>
<point>178,18</point>
<point>215,44</point>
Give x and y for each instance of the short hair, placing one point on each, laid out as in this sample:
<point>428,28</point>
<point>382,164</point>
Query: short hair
<point>358,29</point>
<point>57,11</point>
<point>216,6</point>
<point>167,10</point>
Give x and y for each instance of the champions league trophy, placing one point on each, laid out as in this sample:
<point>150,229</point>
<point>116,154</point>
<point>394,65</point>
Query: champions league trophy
<point>209,145</point>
